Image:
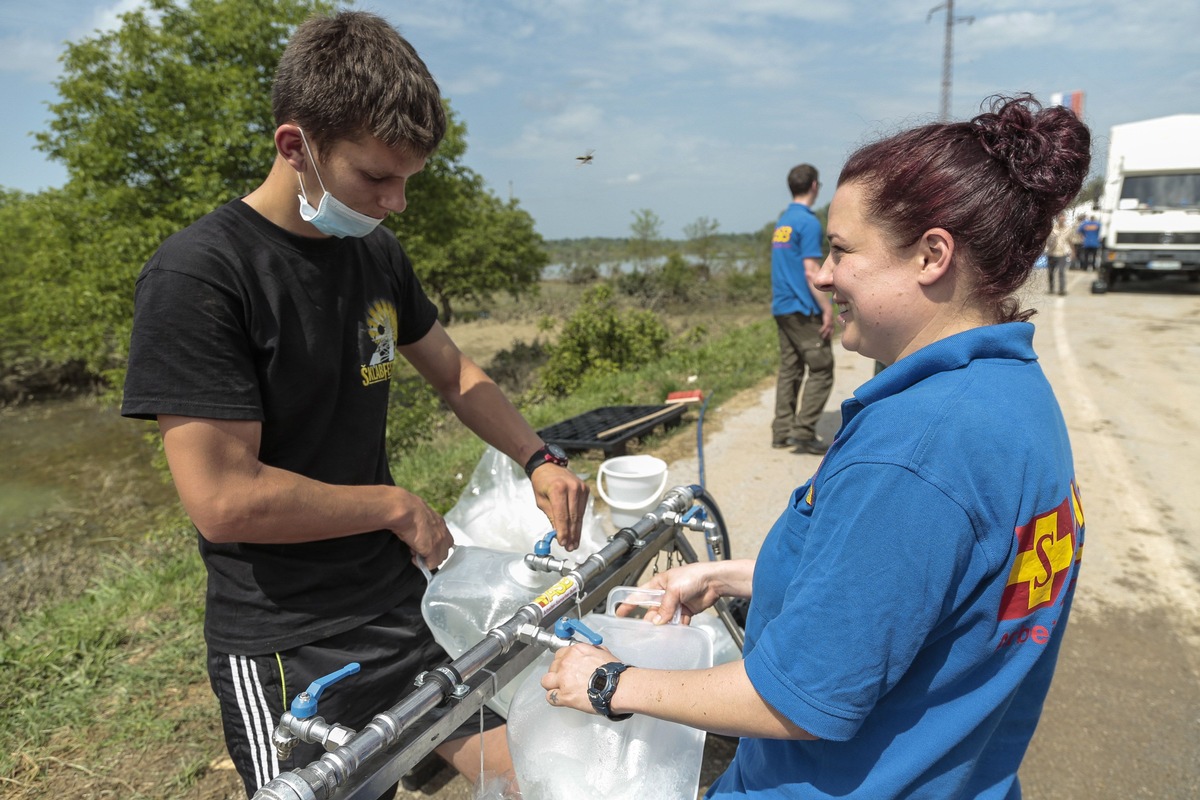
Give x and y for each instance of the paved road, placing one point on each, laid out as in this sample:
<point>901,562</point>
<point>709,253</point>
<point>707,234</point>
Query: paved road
<point>1123,716</point>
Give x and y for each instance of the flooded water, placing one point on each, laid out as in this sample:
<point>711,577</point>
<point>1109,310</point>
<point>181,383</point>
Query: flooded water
<point>66,466</point>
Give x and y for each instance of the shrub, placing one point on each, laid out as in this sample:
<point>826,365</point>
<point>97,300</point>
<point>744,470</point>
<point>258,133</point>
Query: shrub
<point>748,285</point>
<point>677,278</point>
<point>638,284</point>
<point>514,369</point>
<point>599,338</point>
<point>582,273</point>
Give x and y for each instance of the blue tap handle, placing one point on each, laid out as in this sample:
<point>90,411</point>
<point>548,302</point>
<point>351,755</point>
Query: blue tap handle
<point>566,628</point>
<point>694,511</point>
<point>305,704</point>
<point>542,546</point>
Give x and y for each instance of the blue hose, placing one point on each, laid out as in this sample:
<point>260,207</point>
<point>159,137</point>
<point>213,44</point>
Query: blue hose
<point>702,496</point>
<point>700,437</point>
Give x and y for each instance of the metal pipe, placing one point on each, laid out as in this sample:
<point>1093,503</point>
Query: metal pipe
<point>321,779</point>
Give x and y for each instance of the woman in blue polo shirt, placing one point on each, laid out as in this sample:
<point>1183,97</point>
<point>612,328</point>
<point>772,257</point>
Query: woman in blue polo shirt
<point>908,606</point>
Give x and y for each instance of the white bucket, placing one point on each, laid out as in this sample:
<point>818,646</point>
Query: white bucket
<point>635,484</point>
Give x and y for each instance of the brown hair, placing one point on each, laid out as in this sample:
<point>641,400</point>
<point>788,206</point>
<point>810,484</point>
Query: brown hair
<point>351,74</point>
<point>801,178</point>
<point>995,183</point>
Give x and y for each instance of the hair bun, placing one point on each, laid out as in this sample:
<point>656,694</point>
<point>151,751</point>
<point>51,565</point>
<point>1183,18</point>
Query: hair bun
<point>1047,150</point>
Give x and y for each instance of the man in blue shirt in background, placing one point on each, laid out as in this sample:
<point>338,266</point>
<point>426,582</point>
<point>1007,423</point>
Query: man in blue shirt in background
<point>804,317</point>
<point>1090,229</point>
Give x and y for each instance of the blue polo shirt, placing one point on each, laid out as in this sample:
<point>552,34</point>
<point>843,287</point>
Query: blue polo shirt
<point>1091,233</point>
<point>797,237</point>
<point>910,602</point>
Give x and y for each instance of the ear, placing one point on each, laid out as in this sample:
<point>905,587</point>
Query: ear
<point>290,146</point>
<point>936,251</point>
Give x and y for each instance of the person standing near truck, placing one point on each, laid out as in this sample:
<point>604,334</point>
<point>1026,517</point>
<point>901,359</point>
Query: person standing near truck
<point>1059,252</point>
<point>1089,229</point>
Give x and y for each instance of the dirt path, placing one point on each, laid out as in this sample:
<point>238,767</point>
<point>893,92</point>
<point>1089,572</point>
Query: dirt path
<point>1124,709</point>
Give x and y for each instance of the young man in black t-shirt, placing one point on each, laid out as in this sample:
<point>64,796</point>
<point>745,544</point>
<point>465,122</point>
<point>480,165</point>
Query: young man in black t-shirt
<point>264,340</point>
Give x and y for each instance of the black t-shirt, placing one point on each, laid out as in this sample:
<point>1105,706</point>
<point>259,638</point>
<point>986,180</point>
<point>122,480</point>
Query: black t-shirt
<point>236,318</point>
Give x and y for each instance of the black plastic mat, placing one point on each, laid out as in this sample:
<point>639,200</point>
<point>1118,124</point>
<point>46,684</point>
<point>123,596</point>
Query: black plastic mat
<point>582,432</point>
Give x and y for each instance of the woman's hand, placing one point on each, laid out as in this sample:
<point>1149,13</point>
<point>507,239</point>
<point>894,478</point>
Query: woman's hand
<point>691,588</point>
<point>566,683</point>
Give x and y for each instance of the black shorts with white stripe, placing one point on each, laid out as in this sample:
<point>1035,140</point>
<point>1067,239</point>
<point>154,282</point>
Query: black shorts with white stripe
<point>253,691</point>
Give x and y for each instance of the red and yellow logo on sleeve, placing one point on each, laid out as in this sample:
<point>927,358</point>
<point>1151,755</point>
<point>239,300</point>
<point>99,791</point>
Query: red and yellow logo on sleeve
<point>1047,548</point>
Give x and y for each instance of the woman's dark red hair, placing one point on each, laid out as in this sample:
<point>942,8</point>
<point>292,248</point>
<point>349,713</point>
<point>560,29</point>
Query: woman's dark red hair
<point>995,183</point>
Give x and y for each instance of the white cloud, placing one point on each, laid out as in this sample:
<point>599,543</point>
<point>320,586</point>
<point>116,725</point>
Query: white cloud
<point>1018,30</point>
<point>35,38</point>
<point>38,60</point>
<point>109,18</point>
<point>475,80</point>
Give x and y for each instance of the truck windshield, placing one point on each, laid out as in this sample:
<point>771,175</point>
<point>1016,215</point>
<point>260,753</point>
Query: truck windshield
<point>1161,191</point>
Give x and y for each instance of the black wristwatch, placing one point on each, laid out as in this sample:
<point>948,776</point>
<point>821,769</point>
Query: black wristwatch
<point>547,454</point>
<point>602,686</point>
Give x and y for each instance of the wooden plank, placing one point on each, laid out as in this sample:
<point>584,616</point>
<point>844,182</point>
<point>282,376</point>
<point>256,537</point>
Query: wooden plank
<point>662,412</point>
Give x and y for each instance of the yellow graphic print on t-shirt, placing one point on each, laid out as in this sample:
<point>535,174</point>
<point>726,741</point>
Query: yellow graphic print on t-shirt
<point>381,327</point>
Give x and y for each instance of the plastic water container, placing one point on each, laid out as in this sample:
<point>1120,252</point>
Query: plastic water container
<point>724,648</point>
<point>562,753</point>
<point>631,486</point>
<point>475,590</point>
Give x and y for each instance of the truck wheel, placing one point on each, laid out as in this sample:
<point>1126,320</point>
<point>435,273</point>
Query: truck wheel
<point>1099,287</point>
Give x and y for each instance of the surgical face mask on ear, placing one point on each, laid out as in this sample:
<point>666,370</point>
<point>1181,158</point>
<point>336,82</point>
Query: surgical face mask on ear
<point>332,217</point>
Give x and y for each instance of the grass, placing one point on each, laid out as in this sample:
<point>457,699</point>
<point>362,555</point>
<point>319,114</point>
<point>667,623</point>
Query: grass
<point>108,687</point>
<point>98,674</point>
<point>722,365</point>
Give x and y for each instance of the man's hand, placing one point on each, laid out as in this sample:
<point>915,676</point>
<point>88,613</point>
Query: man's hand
<point>563,498</point>
<point>423,530</point>
<point>826,323</point>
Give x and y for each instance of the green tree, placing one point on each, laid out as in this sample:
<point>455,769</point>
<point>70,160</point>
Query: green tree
<point>647,233</point>
<point>495,250</point>
<point>702,239</point>
<point>20,228</point>
<point>158,122</point>
<point>66,286</point>
<point>167,117</point>
<point>466,243</point>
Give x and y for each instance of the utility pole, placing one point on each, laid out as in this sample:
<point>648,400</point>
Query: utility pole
<point>948,52</point>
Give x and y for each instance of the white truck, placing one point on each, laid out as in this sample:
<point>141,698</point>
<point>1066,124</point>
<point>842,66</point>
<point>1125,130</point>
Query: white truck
<point>1150,207</point>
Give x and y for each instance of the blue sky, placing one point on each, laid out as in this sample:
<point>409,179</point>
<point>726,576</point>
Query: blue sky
<point>698,108</point>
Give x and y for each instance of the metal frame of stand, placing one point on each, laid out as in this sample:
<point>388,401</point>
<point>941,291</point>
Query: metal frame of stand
<point>367,763</point>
